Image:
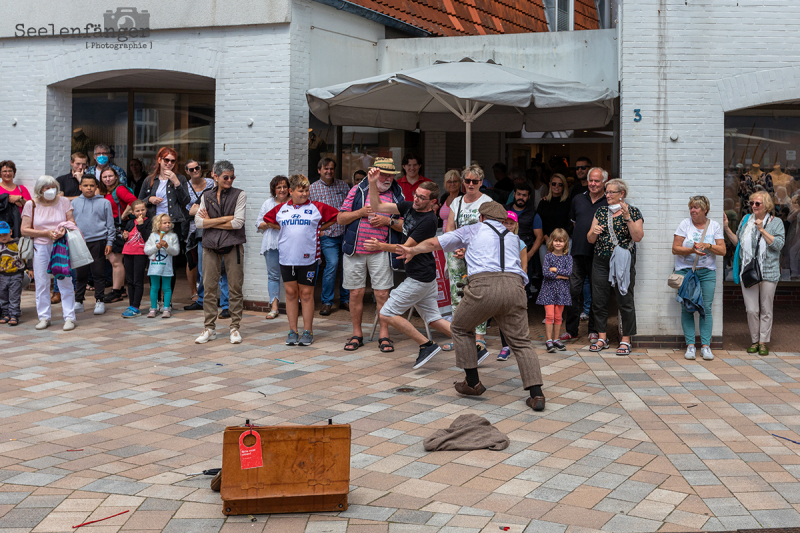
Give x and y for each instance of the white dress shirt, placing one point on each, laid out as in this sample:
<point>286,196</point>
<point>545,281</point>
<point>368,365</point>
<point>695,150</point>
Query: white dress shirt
<point>483,248</point>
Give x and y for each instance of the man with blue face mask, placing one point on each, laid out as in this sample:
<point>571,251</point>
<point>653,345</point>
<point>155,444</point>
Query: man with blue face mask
<point>102,157</point>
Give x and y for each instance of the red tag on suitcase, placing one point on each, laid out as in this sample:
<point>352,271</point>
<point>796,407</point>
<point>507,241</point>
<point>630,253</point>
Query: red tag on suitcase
<point>250,455</point>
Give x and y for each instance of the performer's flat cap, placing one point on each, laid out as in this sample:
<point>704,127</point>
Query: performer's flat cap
<point>493,211</point>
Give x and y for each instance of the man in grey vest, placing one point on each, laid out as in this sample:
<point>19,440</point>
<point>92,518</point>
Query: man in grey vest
<point>221,217</point>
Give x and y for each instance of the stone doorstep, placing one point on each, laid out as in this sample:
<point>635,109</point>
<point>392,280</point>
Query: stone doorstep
<point>671,341</point>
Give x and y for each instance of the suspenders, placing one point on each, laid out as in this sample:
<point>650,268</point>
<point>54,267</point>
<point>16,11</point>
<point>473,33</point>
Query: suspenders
<point>502,245</point>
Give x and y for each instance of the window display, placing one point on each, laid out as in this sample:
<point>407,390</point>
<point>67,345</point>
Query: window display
<point>761,147</point>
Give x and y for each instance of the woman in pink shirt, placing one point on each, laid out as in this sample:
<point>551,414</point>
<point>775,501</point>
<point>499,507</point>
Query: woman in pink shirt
<point>12,197</point>
<point>41,218</point>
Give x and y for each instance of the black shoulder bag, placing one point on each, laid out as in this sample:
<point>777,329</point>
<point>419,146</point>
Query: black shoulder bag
<point>751,272</point>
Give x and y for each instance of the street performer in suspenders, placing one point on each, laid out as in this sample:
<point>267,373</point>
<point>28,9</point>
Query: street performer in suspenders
<point>495,287</point>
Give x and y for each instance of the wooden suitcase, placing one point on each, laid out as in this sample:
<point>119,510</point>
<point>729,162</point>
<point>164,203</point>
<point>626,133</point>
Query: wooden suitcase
<point>305,469</point>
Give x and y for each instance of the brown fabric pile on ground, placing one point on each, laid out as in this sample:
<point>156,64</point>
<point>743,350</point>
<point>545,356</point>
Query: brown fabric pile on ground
<point>467,432</point>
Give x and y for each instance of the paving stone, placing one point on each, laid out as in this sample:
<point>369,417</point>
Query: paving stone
<point>50,500</point>
<point>115,486</point>
<point>631,524</point>
<point>33,478</point>
<point>365,512</point>
<point>777,518</point>
<point>12,498</point>
<point>632,491</point>
<point>539,526</point>
<point>408,516</point>
<point>194,525</point>
<point>23,518</point>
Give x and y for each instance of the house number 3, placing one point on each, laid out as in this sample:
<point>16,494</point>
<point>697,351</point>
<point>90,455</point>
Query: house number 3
<point>637,116</point>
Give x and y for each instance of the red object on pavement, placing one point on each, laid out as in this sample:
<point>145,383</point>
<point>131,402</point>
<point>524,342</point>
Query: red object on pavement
<point>100,520</point>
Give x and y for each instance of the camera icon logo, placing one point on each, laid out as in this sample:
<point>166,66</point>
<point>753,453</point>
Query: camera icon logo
<point>125,18</point>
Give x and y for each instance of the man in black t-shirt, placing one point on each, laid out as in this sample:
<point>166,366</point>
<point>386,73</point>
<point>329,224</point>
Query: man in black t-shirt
<point>419,288</point>
<point>70,183</point>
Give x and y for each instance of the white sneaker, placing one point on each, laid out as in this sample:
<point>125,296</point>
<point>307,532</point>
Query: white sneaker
<point>43,324</point>
<point>236,337</point>
<point>690,352</point>
<point>207,335</point>
<point>69,325</point>
<point>79,307</point>
<point>705,351</point>
<point>99,308</point>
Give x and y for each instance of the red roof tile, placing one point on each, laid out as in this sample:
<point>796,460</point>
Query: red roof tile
<point>472,17</point>
<point>586,15</point>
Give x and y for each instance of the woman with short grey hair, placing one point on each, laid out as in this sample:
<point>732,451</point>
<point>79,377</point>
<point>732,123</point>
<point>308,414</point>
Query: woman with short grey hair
<point>699,239</point>
<point>614,233</point>
<point>42,219</point>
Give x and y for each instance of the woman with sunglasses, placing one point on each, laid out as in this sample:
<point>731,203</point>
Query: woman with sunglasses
<point>197,186</point>
<point>554,209</point>
<point>166,192</point>
<point>464,212</point>
<point>760,237</point>
<point>627,224</point>
<point>698,238</point>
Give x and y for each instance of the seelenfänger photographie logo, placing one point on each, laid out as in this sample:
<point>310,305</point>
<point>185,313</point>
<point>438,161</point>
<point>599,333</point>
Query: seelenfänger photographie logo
<point>122,25</point>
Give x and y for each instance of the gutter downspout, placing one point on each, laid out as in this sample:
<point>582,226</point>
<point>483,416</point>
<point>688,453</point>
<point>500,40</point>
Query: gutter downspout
<point>374,16</point>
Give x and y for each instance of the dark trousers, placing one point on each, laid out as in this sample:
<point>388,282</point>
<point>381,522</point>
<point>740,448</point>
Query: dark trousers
<point>601,292</point>
<point>581,270</point>
<point>135,273</point>
<point>11,294</point>
<point>97,268</point>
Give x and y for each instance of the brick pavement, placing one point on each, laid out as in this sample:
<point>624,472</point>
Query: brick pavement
<point>646,443</point>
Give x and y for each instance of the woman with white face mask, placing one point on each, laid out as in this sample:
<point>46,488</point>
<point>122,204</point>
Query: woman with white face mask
<point>614,233</point>
<point>41,218</point>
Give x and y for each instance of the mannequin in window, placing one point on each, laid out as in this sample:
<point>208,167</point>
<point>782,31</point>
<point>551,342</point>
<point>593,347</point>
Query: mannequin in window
<point>779,178</point>
<point>754,180</point>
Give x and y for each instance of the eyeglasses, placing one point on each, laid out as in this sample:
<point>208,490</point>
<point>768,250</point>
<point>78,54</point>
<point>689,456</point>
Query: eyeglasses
<point>755,204</point>
<point>582,167</point>
<point>556,184</point>
<point>612,192</point>
<point>169,160</point>
<point>193,169</point>
<point>227,178</point>
<point>472,182</point>
<point>423,198</point>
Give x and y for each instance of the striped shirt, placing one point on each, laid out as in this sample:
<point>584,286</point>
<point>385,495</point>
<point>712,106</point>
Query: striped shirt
<point>332,195</point>
<point>365,229</point>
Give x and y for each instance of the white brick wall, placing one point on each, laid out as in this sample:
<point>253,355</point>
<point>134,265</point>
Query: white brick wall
<point>683,64</point>
<point>261,73</point>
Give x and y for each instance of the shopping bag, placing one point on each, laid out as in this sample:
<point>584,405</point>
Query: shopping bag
<point>79,254</point>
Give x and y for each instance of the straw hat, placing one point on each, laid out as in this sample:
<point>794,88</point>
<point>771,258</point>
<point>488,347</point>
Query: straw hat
<point>386,165</point>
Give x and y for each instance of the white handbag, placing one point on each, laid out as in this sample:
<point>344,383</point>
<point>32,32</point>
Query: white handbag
<point>25,245</point>
<point>79,254</point>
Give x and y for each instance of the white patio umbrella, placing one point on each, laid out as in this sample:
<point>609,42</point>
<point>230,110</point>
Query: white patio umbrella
<point>452,96</point>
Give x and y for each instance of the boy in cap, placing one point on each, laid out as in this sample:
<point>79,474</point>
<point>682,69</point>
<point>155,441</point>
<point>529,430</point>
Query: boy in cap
<point>12,272</point>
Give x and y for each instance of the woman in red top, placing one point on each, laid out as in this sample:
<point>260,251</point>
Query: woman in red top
<point>17,196</point>
<point>120,198</point>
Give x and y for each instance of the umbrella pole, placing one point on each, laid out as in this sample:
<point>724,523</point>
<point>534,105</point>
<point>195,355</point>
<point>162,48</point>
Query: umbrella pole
<point>469,144</point>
